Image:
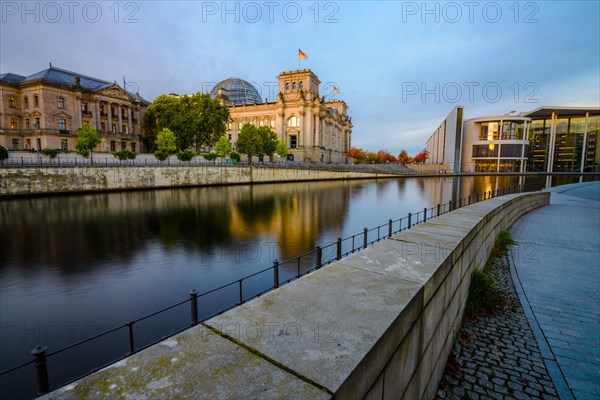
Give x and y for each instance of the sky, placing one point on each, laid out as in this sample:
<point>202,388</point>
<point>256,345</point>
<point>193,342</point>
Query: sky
<point>401,66</point>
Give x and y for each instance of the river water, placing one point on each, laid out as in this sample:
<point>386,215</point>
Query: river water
<point>73,266</point>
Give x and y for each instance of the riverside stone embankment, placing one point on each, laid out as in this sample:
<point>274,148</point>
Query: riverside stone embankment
<point>34,180</point>
<point>378,324</point>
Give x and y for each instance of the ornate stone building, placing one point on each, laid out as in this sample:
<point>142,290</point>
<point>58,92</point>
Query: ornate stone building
<point>45,110</point>
<point>313,128</point>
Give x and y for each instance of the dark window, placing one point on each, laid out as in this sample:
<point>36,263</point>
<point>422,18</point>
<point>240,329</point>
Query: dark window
<point>485,150</point>
<point>12,102</point>
<point>511,150</point>
<point>293,141</point>
<point>113,145</point>
<point>15,144</point>
<point>64,144</point>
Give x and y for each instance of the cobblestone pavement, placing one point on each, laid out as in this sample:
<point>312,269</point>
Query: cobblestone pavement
<point>496,356</point>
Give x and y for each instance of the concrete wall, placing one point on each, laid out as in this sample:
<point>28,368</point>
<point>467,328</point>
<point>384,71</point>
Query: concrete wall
<point>24,180</point>
<point>379,324</point>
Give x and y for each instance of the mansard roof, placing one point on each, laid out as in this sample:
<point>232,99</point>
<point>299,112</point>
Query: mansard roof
<point>64,78</point>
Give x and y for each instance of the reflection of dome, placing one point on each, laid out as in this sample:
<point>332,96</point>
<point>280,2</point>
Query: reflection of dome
<point>237,91</point>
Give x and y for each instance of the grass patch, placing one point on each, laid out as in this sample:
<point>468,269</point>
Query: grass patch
<point>485,295</point>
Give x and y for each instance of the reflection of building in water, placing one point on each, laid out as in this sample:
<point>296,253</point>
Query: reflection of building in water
<point>293,214</point>
<point>548,139</point>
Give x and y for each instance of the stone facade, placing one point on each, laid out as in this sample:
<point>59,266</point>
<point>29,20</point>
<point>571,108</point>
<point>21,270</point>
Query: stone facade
<point>314,129</point>
<point>45,110</point>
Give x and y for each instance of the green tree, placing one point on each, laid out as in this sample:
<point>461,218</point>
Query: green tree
<point>223,147</point>
<point>87,140</point>
<point>249,142</point>
<point>3,153</point>
<point>196,119</point>
<point>281,149</point>
<point>268,139</point>
<point>166,141</point>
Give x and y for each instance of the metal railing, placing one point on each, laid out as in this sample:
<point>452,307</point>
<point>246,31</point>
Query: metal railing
<point>295,268</point>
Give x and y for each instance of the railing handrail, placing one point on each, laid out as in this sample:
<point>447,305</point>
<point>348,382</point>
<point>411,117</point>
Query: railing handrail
<point>318,264</point>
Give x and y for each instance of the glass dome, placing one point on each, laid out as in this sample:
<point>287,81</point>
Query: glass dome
<point>237,91</point>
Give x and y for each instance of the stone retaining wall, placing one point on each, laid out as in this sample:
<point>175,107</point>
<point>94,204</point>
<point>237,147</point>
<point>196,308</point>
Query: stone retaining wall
<point>379,324</point>
<point>27,180</point>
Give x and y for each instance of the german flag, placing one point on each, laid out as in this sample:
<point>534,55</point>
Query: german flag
<point>301,55</point>
<point>336,90</point>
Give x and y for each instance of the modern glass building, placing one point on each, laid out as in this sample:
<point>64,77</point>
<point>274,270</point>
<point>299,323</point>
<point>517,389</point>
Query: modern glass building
<point>548,139</point>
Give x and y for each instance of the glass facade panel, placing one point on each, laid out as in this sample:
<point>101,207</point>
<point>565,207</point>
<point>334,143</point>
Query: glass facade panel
<point>569,144</point>
<point>512,130</point>
<point>539,140</point>
<point>489,131</point>
<point>486,165</point>
<point>511,150</point>
<point>485,150</point>
<point>592,157</point>
<point>510,165</point>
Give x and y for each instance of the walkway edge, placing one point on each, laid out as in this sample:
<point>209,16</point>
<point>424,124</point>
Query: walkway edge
<point>560,384</point>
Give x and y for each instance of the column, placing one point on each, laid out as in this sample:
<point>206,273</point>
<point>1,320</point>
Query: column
<point>120,116</point>
<point>552,143</point>
<point>97,115</point>
<point>584,149</point>
<point>78,120</point>
<point>109,113</point>
<point>139,121</point>
<point>129,122</point>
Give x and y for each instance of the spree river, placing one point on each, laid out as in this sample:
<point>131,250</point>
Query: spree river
<point>74,266</point>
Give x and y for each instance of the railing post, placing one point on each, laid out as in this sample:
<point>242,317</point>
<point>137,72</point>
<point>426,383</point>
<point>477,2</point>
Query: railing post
<point>131,345</point>
<point>365,231</point>
<point>450,206</point>
<point>241,287</point>
<point>276,274</point>
<point>390,228</point>
<point>339,249</point>
<point>194,307</point>
<point>409,220</point>
<point>318,254</point>
<point>425,214</point>
<point>438,210</point>
<point>41,369</point>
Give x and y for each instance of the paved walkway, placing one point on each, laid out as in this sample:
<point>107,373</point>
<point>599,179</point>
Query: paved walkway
<point>557,276</point>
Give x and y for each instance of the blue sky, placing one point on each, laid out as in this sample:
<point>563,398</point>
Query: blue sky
<point>400,66</point>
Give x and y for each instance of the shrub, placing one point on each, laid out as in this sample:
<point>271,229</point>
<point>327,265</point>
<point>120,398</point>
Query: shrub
<point>485,296</point>
<point>212,156</point>
<point>125,155</point>
<point>503,240</point>
<point>3,153</point>
<point>235,156</point>
<point>161,155</point>
<point>185,155</point>
<point>52,153</point>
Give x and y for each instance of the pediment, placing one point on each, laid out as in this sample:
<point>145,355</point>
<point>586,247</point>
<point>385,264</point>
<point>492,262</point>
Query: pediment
<point>62,114</point>
<point>115,92</point>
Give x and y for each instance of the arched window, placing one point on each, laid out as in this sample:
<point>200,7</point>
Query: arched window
<point>301,84</point>
<point>294,86</point>
<point>26,102</point>
<point>292,121</point>
<point>287,87</point>
<point>12,102</point>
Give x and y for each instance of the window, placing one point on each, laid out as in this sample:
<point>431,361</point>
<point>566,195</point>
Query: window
<point>239,125</point>
<point>26,102</point>
<point>287,87</point>
<point>301,84</point>
<point>27,144</point>
<point>133,147</point>
<point>62,125</point>
<point>272,123</point>
<point>292,121</point>
<point>61,102</point>
<point>485,150</point>
<point>229,137</point>
<point>37,123</point>
<point>39,144</point>
<point>113,145</point>
<point>27,123</point>
<point>293,141</point>
<point>229,126</point>
<point>511,150</point>
<point>14,123</point>
<point>64,144</point>
<point>294,86</point>
<point>123,145</point>
<point>103,126</point>
<point>12,102</point>
<point>15,144</point>
<point>261,123</point>
<point>36,100</point>
<point>489,131</point>
<point>114,128</point>
<point>133,130</point>
<point>124,129</point>
<point>84,106</point>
